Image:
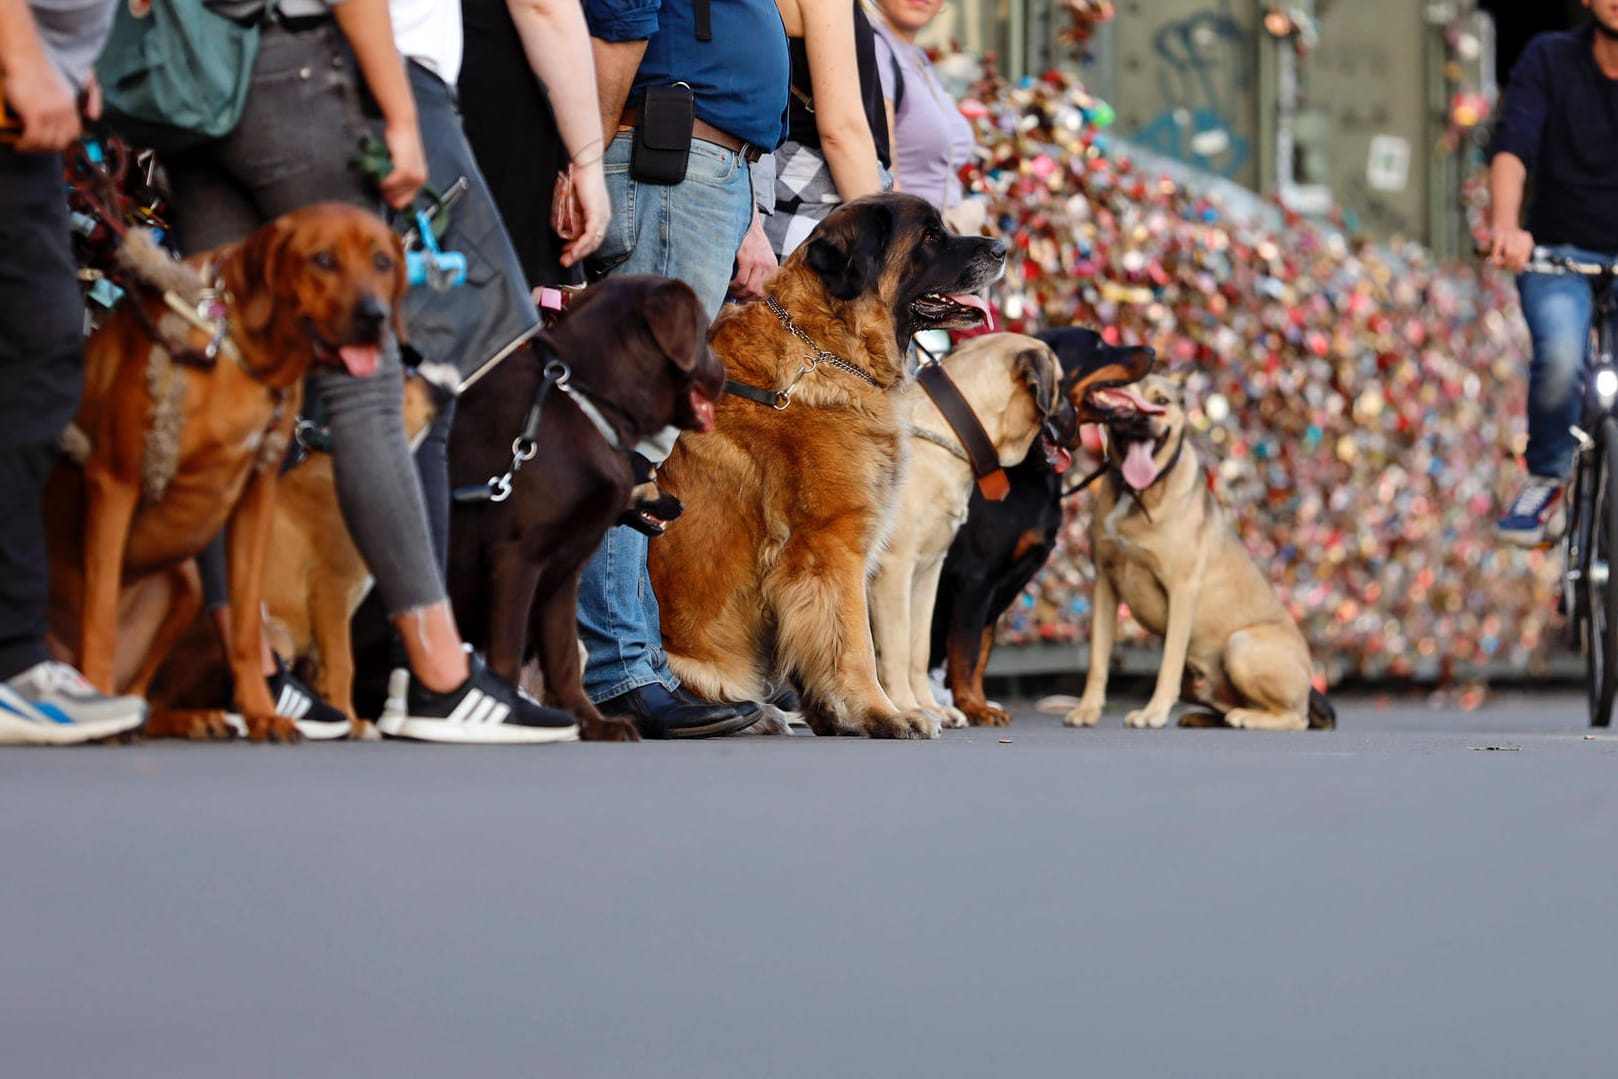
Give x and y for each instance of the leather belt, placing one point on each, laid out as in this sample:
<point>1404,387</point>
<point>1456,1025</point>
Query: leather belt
<point>700,129</point>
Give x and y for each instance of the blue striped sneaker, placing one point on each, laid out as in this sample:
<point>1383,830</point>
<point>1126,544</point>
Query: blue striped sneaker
<point>51,704</point>
<point>1533,517</point>
<point>483,710</point>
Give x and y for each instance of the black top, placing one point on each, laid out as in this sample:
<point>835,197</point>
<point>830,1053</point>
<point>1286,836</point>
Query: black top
<point>801,122</point>
<point>1561,118</point>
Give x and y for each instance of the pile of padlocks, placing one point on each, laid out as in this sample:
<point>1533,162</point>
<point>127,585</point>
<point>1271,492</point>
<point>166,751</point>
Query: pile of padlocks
<point>1359,404</point>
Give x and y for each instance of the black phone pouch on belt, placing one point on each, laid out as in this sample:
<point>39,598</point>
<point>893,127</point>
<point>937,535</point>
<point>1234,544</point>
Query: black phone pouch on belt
<point>662,145</point>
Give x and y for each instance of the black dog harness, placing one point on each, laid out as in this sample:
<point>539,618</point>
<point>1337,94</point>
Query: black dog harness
<point>780,399</point>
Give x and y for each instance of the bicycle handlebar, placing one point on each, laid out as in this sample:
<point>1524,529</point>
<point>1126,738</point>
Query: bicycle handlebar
<point>1542,261</point>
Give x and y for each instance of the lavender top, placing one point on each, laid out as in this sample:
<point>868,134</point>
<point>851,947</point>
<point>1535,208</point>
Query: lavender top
<point>932,139</point>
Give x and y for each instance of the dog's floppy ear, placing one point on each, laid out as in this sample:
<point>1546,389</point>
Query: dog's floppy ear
<point>677,321</point>
<point>252,274</point>
<point>848,252</point>
<point>1036,367</point>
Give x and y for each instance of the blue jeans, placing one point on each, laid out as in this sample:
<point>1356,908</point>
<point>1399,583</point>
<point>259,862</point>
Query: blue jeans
<point>1557,309</point>
<point>689,231</point>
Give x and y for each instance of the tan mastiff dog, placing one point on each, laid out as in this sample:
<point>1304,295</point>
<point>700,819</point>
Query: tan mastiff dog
<point>1009,384</point>
<point>1163,545</point>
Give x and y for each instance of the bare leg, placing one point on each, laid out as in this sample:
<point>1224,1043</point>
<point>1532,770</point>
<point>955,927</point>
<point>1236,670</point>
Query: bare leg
<point>433,645</point>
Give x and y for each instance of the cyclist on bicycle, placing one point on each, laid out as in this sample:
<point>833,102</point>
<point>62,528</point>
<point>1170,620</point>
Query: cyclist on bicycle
<point>1560,121</point>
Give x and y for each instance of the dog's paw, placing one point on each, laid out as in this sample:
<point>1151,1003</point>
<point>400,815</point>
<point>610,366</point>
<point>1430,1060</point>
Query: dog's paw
<point>1147,717</point>
<point>1084,714</point>
<point>363,730</point>
<point>272,728</point>
<point>923,724</point>
<point>987,715</point>
<point>607,729</point>
<point>197,725</point>
<point>772,721</point>
<point>911,723</point>
<point>953,718</point>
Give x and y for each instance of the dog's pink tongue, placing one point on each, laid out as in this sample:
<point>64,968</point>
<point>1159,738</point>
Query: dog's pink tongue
<point>1058,459</point>
<point>1125,399</point>
<point>360,360</point>
<point>1139,468</point>
<point>978,302</point>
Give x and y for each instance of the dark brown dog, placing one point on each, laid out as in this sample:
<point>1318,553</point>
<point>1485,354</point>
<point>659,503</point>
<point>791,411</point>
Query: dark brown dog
<point>763,579</point>
<point>637,351</point>
<point>179,446</point>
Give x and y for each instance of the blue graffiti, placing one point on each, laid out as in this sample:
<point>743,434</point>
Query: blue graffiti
<point>1203,67</point>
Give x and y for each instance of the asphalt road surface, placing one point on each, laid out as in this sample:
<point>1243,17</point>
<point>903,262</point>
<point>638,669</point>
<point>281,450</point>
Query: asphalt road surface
<point>1421,893</point>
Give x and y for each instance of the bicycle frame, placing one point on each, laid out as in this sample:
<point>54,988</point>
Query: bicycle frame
<point>1591,540</point>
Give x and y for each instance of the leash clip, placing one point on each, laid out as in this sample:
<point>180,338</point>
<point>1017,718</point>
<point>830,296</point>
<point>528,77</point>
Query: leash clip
<point>500,488</point>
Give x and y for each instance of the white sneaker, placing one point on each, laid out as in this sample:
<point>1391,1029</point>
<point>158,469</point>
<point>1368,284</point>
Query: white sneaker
<point>51,704</point>
<point>397,706</point>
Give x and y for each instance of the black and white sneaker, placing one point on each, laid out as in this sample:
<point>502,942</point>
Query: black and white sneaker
<point>315,719</point>
<point>483,710</point>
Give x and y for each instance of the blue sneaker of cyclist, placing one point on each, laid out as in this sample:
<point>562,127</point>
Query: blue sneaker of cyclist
<point>1527,520</point>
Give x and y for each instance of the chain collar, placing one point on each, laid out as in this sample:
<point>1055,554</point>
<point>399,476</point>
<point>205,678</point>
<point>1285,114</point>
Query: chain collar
<point>816,357</point>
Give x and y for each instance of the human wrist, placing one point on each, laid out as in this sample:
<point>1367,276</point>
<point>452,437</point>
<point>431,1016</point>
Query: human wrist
<point>589,156</point>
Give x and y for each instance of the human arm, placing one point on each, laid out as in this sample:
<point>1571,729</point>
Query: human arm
<point>1510,245</point>
<point>367,27</point>
<point>619,30</point>
<point>834,78</point>
<point>557,43</point>
<point>34,90</point>
<point>1512,151</point>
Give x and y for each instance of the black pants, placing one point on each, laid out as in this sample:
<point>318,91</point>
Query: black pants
<point>41,374</point>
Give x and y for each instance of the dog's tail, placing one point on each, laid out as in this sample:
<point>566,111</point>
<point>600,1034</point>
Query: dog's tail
<point>147,262</point>
<point>1322,716</point>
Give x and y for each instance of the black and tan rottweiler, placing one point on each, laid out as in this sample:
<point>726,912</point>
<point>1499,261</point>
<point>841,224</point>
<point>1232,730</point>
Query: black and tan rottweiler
<point>1003,544</point>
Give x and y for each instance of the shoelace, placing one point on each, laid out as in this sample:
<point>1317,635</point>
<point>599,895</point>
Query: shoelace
<point>63,678</point>
<point>1532,498</point>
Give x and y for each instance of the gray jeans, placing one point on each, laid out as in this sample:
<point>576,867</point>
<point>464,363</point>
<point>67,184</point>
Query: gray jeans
<point>301,125</point>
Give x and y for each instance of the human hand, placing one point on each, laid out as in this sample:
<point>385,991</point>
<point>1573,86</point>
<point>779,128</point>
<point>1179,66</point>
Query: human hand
<point>966,217</point>
<point>755,261</point>
<point>399,187</point>
<point>1511,247</point>
<point>592,210</point>
<point>44,103</point>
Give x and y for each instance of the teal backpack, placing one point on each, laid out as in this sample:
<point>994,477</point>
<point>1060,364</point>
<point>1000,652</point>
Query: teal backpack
<point>175,74</point>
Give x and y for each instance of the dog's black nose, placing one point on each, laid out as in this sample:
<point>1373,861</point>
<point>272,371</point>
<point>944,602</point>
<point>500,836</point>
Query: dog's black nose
<point>997,249</point>
<point>369,312</point>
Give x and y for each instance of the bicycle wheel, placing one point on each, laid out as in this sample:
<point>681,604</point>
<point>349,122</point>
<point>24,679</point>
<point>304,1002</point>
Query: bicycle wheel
<point>1602,657</point>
